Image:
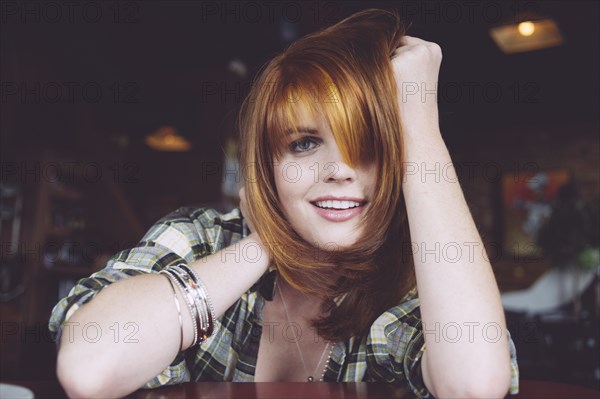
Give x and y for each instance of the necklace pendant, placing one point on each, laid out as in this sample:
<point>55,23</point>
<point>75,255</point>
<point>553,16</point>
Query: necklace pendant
<point>310,378</point>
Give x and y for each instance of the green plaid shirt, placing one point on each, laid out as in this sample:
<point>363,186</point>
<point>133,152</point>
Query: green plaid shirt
<point>390,352</point>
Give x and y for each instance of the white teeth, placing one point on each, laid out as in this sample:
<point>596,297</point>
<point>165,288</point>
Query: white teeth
<point>334,204</point>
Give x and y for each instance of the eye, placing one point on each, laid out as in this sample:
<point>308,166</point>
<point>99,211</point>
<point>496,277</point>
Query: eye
<point>304,144</point>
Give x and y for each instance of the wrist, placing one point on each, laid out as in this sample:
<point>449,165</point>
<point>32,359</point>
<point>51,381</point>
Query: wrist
<point>263,255</point>
<point>421,120</point>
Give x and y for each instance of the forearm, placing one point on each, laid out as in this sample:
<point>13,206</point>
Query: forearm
<point>139,325</point>
<point>460,303</point>
<point>135,336</point>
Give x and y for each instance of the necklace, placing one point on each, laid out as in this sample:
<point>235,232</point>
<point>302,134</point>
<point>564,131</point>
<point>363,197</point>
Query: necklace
<point>310,376</point>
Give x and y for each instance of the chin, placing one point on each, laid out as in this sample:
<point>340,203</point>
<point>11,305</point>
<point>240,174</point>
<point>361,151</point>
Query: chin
<point>333,243</point>
<point>329,236</point>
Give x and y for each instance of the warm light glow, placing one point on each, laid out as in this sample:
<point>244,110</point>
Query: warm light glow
<point>166,138</point>
<point>527,36</point>
<point>526,28</point>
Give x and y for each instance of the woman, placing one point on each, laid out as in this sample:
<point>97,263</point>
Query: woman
<point>314,277</point>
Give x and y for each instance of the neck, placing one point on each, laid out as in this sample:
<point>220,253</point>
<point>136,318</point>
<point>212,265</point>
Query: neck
<point>295,299</point>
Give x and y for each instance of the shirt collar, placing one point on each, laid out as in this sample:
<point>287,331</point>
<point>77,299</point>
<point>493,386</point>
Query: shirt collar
<point>266,283</point>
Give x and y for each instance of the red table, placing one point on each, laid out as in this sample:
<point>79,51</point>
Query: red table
<point>279,390</point>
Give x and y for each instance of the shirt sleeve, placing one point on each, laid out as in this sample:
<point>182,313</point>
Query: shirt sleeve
<point>395,347</point>
<point>514,366</point>
<point>172,240</point>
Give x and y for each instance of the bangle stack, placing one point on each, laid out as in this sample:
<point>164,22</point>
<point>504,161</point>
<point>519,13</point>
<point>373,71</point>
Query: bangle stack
<point>197,300</point>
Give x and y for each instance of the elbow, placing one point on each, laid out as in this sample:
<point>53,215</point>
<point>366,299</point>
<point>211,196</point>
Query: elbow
<point>491,391</point>
<point>496,386</point>
<point>78,379</point>
<point>480,392</point>
<point>492,384</point>
<point>77,389</point>
<point>70,380</point>
<point>75,386</point>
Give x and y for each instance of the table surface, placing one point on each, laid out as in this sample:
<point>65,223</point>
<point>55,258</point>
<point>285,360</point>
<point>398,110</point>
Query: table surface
<point>316,390</point>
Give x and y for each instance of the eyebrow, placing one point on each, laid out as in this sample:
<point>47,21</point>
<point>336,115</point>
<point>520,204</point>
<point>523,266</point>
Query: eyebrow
<point>304,129</point>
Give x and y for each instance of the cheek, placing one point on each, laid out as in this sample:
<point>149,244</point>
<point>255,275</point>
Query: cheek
<point>371,180</point>
<point>292,181</point>
<point>285,186</point>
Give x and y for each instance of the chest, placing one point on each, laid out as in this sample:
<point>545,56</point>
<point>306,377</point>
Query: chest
<point>289,349</point>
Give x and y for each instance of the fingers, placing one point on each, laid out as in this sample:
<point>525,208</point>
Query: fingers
<point>411,40</point>
<point>409,43</point>
<point>406,42</point>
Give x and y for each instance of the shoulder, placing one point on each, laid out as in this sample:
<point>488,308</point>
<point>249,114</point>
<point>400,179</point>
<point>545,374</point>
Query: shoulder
<point>194,232</point>
<point>206,229</point>
<point>204,217</point>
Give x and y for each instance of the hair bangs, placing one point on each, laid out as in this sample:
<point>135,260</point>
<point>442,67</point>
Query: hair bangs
<point>294,101</point>
<point>309,91</point>
<point>348,117</point>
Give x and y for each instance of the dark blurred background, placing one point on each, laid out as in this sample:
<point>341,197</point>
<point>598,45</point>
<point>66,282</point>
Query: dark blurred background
<point>85,87</point>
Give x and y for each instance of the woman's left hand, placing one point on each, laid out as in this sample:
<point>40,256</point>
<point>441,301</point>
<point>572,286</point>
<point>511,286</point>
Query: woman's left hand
<point>416,66</point>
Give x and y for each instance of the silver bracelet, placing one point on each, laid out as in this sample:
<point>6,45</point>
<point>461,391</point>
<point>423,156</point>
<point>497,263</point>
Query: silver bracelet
<point>198,298</point>
<point>188,299</point>
<point>212,329</point>
<point>178,313</point>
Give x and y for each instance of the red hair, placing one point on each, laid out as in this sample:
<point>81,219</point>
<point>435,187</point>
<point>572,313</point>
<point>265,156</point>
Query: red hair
<point>344,73</point>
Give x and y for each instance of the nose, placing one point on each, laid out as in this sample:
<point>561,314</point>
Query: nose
<point>335,170</point>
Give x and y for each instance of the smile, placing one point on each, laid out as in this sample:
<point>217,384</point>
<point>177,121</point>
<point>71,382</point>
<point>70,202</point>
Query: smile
<point>333,204</point>
<point>338,210</point>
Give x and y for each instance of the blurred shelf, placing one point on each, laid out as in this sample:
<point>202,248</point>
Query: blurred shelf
<point>66,214</point>
<point>59,190</point>
<point>60,232</point>
<point>70,270</point>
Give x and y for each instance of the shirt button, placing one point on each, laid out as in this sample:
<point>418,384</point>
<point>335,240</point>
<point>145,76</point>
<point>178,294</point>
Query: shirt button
<point>256,331</point>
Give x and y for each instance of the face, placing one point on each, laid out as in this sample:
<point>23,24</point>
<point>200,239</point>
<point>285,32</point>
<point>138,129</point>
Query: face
<point>322,197</point>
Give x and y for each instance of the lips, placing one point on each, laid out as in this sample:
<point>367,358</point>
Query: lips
<point>338,209</point>
<point>336,204</point>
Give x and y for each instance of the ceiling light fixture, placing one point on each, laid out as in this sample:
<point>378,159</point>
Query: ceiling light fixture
<point>527,36</point>
<point>526,28</point>
<point>166,138</point>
